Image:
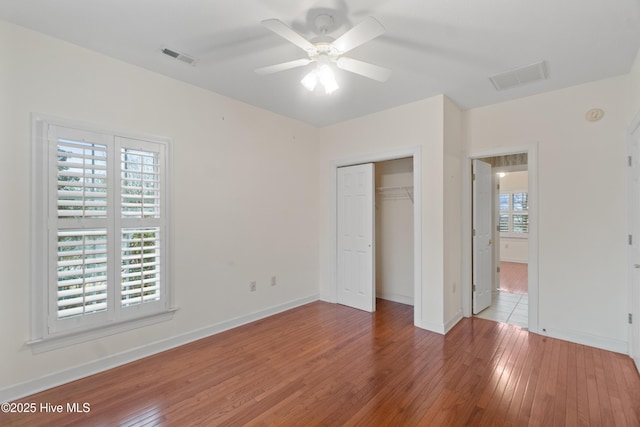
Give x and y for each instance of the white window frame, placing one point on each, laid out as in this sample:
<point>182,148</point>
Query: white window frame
<point>47,330</point>
<point>511,212</point>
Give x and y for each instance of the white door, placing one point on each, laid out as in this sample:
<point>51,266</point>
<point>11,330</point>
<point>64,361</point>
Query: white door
<point>495,233</point>
<point>634,248</point>
<point>356,277</point>
<point>482,250</point>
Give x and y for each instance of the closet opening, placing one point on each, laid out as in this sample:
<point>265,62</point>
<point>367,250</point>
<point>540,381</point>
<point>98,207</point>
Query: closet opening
<point>376,225</point>
<point>394,204</point>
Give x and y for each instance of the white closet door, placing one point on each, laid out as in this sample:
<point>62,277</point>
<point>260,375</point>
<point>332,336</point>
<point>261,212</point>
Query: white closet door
<point>482,251</point>
<point>356,276</point>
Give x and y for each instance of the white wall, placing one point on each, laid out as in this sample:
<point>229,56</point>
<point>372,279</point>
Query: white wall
<point>514,249</point>
<point>633,111</point>
<point>514,181</point>
<point>419,124</point>
<point>582,267</point>
<point>394,231</point>
<point>245,194</point>
<point>452,182</point>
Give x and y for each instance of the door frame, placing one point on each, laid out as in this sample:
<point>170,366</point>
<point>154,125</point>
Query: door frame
<point>633,148</point>
<point>467,255</point>
<point>415,153</point>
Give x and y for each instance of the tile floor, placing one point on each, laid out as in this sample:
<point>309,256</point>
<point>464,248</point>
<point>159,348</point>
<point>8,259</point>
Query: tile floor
<point>508,308</point>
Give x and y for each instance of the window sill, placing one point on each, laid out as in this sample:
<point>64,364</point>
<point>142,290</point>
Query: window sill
<point>515,237</point>
<point>52,343</point>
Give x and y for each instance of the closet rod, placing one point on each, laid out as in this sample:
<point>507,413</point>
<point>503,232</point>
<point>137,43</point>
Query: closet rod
<point>408,189</point>
<point>398,187</point>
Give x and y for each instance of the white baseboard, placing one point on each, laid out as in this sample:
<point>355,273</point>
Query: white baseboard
<point>402,299</point>
<point>328,298</point>
<point>438,328</point>
<point>441,328</point>
<point>516,260</point>
<point>603,343</point>
<point>453,321</point>
<point>55,379</point>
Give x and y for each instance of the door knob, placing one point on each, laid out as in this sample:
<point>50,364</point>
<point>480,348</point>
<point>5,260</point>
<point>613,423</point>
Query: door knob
<point>636,265</point>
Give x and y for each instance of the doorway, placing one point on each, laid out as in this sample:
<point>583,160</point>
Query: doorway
<point>395,191</point>
<point>506,200</point>
<point>513,248</point>
<point>514,238</point>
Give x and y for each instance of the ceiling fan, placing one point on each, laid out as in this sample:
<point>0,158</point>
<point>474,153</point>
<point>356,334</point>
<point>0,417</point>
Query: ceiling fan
<point>324,50</point>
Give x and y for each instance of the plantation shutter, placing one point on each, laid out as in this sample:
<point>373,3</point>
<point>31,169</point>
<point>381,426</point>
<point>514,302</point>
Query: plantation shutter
<point>520,223</point>
<point>106,228</point>
<point>141,188</point>
<point>514,218</point>
<point>82,272</point>
<point>504,201</point>
<point>503,223</point>
<point>81,179</point>
<point>520,201</point>
<point>79,185</point>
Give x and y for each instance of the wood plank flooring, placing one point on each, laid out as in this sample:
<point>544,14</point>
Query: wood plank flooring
<point>326,364</point>
<point>514,277</point>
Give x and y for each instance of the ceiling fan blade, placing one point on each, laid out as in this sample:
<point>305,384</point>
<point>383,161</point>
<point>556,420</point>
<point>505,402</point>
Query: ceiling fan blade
<point>367,30</point>
<point>284,66</point>
<point>287,33</point>
<point>374,72</point>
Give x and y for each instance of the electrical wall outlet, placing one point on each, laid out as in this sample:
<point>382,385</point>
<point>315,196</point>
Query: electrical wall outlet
<point>252,286</point>
<point>273,280</point>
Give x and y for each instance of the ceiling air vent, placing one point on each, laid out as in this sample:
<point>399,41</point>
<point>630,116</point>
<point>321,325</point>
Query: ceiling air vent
<point>519,76</point>
<point>179,56</point>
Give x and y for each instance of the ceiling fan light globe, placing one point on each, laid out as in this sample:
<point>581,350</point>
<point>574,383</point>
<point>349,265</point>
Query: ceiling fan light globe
<point>324,72</point>
<point>331,87</point>
<point>310,81</point>
<point>327,79</point>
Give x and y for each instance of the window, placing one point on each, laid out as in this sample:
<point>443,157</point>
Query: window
<point>101,229</point>
<point>514,215</point>
<point>504,213</point>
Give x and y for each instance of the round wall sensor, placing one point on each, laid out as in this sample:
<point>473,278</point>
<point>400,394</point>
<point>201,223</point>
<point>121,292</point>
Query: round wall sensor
<point>594,114</point>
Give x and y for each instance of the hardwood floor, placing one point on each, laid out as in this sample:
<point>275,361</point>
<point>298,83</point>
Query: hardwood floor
<point>514,277</point>
<point>326,364</point>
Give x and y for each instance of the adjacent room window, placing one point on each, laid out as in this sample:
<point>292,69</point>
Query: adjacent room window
<point>101,229</point>
<point>514,215</point>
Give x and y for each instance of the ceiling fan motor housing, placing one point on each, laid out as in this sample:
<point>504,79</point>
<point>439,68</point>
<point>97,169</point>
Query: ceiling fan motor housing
<point>324,23</point>
<point>325,49</point>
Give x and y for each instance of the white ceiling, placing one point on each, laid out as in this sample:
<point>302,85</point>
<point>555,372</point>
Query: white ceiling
<point>433,47</point>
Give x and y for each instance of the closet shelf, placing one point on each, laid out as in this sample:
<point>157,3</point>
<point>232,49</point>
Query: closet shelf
<point>396,192</point>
